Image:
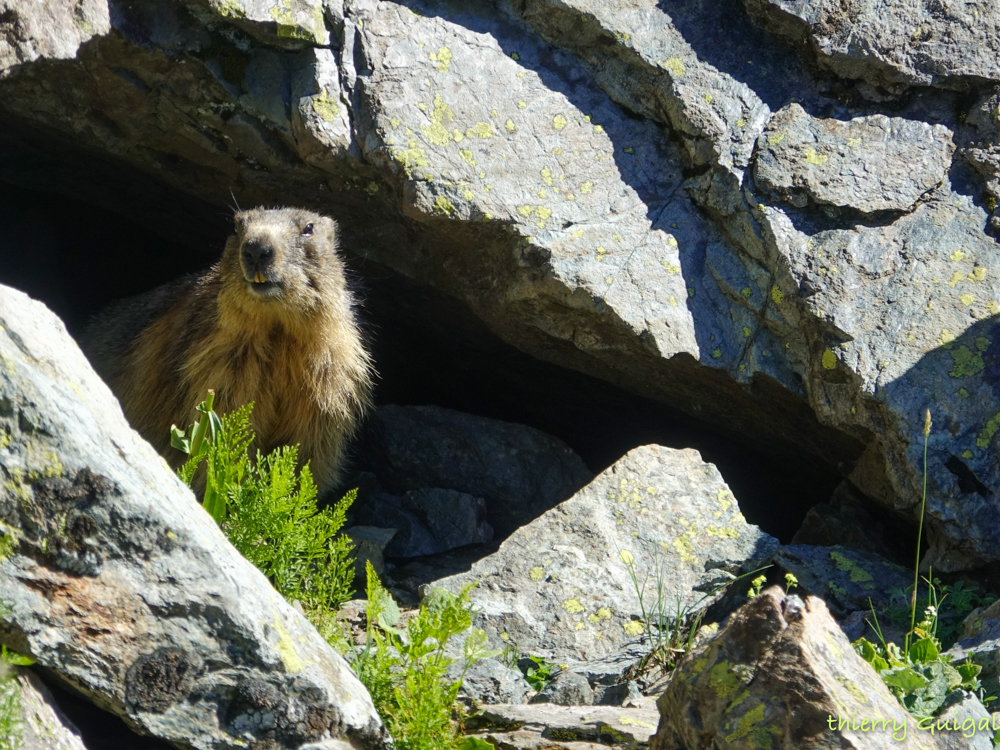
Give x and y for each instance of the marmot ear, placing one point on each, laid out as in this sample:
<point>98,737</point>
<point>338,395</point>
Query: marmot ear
<point>330,226</point>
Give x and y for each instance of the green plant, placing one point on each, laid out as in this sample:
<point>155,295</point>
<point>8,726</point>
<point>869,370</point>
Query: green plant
<point>539,675</point>
<point>268,511</point>
<point>755,586</point>
<point>790,582</point>
<point>11,719</point>
<point>919,674</point>
<point>407,677</point>
<point>669,630</point>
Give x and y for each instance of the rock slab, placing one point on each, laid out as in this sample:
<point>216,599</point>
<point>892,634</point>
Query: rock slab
<point>560,587</point>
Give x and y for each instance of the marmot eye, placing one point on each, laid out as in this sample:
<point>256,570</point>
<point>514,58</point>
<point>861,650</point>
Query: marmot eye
<point>307,231</point>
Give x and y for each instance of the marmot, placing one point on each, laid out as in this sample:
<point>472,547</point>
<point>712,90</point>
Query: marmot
<point>272,322</point>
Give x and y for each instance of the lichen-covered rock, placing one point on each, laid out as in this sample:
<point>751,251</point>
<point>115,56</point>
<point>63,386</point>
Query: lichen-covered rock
<point>488,681</point>
<point>54,29</point>
<point>870,164</point>
<point>519,471</point>
<point>115,580</point>
<point>846,579</point>
<point>903,42</point>
<point>782,675</point>
<point>561,587</point>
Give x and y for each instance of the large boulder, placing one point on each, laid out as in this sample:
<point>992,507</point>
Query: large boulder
<point>566,587</point>
<point>116,581</point>
<point>782,675</point>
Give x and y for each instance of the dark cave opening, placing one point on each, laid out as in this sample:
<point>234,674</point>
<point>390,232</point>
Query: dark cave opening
<point>429,349</point>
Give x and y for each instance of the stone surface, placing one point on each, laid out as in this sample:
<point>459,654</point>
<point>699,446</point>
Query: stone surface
<point>559,587</point>
<point>773,677</point>
<point>488,681</point>
<point>550,727</point>
<point>904,42</point>
<point>566,689</point>
<point>846,579</point>
<point>122,586</point>
<point>874,163</point>
<point>45,726</point>
<point>519,471</point>
<point>54,29</point>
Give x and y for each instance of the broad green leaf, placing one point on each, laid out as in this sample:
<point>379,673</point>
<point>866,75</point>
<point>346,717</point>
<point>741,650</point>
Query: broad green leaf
<point>906,679</point>
<point>924,651</point>
<point>474,743</point>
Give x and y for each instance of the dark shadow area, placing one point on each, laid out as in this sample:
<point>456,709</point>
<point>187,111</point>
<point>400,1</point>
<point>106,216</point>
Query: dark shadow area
<point>99,729</point>
<point>428,347</point>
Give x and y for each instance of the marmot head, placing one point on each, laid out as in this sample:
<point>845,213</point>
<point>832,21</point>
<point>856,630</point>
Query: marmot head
<point>282,261</point>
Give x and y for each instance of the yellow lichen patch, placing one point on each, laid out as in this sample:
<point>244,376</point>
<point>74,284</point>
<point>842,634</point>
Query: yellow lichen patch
<point>543,213</point>
<point>957,255</point>
<point>852,142</point>
<point>946,337</point>
<point>978,274</point>
<point>684,547</point>
<point>746,292</point>
<point>572,606</point>
<point>411,157</point>
<point>750,722</point>
<point>325,106</point>
<point>537,573</point>
<point>633,628</point>
<point>598,129</point>
<point>675,65</point>
<point>468,195</point>
<point>722,680</point>
<point>671,269</point>
<point>630,722</point>
<point>967,299</point>
<point>777,295</point>
<point>810,156</point>
<point>469,158</point>
<point>546,174</point>
<point>286,649</point>
<point>526,211</point>
<point>394,123</point>
<point>510,126</point>
<point>443,59</point>
<point>829,359</point>
<point>722,532</point>
<point>229,9</point>
<point>437,132</point>
<point>558,122</point>
<point>966,454</point>
<point>577,233</point>
<point>586,187</point>
<point>481,130</point>
<point>521,105</point>
<point>988,431</point>
<point>626,557</point>
<point>443,205</point>
<point>957,277</point>
<point>746,332</point>
<point>716,353</point>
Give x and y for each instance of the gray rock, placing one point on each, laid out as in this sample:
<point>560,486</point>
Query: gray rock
<point>573,728</point>
<point>617,695</point>
<point>560,588</point>
<point>44,725</point>
<point>490,682</point>
<point>121,585</point>
<point>802,158</point>
<point>42,29</point>
<point>453,518</point>
<point>904,42</point>
<point>370,543</point>
<point>846,579</point>
<point>412,539</point>
<point>566,689</point>
<point>519,471</point>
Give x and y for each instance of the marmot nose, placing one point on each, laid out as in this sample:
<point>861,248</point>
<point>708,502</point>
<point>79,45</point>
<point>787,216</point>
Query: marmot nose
<point>255,252</point>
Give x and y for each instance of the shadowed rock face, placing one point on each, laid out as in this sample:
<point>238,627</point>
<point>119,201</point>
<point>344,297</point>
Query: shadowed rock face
<point>116,581</point>
<point>781,246</point>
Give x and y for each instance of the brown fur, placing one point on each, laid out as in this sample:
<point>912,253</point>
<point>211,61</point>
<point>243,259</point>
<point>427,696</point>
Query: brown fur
<point>294,350</point>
